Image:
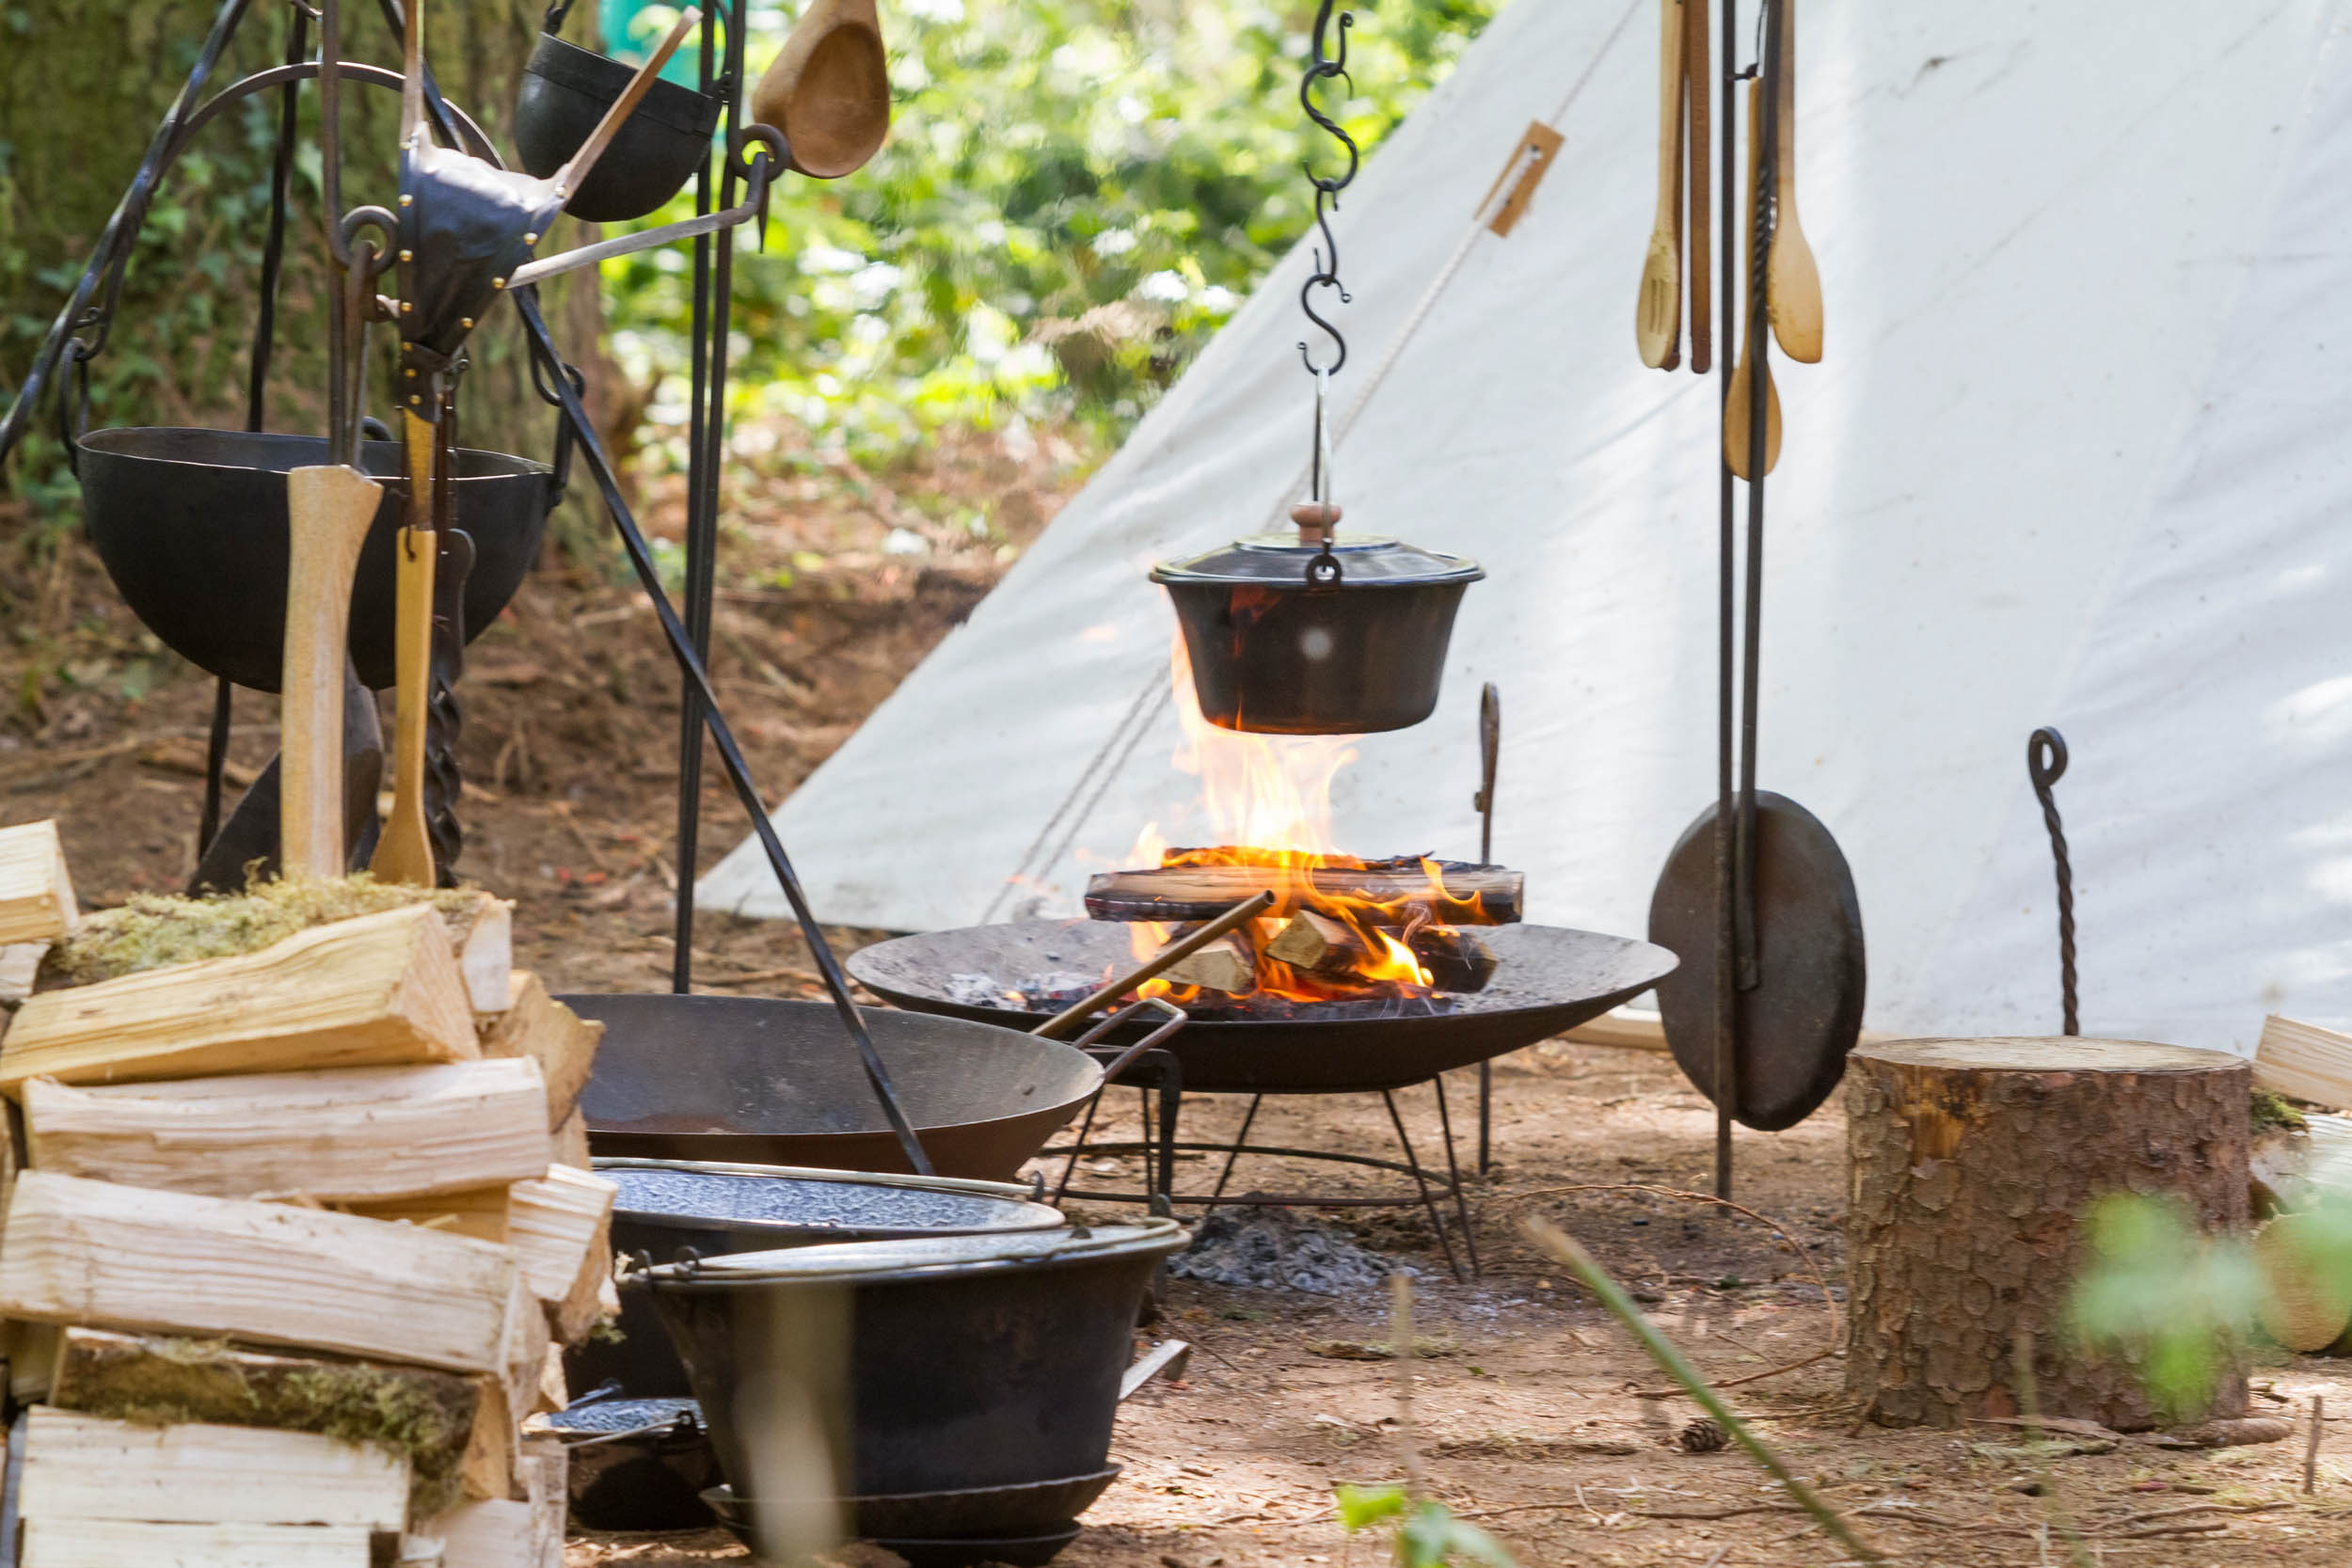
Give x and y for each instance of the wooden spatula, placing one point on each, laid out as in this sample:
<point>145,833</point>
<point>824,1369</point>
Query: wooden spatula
<point>404,853</point>
<point>1658,313</point>
<point>1738,409</point>
<point>829,90</point>
<point>330,508</point>
<point>1795,281</point>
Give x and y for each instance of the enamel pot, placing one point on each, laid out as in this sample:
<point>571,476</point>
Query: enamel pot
<point>1356,645</point>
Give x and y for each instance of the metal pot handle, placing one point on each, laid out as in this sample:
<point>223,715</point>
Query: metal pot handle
<point>553,20</point>
<point>1177,1019</point>
<point>560,477</point>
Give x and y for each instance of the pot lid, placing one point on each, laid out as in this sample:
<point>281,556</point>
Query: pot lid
<point>1280,560</point>
<point>921,1257</point>
<point>791,1200</point>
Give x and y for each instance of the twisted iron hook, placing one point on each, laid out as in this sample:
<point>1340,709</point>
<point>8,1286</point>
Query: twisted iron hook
<point>2045,763</point>
<point>1324,66</point>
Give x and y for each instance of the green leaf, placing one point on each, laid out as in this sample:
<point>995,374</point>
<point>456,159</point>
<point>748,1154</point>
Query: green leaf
<point>1363,1506</point>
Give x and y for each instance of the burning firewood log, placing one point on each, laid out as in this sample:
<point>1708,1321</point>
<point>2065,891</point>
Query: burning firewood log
<point>1455,958</point>
<point>1321,944</point>
<point>1225,964</point>
<point>1385,893</point>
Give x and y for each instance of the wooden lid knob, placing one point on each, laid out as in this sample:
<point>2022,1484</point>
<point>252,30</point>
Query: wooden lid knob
<point>1316,515</point>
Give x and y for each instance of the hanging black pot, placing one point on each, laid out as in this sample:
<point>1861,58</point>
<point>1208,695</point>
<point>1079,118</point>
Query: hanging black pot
<point>566,90</point>
<point>1356,645</point>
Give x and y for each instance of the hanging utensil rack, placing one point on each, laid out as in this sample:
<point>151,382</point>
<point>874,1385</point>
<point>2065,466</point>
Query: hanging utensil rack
<point>753,153</point>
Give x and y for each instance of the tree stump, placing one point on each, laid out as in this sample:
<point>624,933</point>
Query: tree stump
<point>1973,1163</point>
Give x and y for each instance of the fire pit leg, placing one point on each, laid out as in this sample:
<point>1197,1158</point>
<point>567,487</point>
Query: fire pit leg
<point>1069,1166</point>
<point>1453,1176</point>
<point>1235,1153</point>
<point>1421,1182</point>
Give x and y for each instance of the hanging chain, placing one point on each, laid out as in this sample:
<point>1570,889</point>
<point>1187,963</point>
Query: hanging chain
<point>1322,514</point>
<point>2045,763</point>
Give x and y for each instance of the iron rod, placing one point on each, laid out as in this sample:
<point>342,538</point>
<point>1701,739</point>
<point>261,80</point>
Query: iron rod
<point>698,443</point>
<point>1158,964</point>
<point>1727,1024</point>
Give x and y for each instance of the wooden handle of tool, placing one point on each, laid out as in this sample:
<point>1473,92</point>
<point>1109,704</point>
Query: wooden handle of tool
<point>1669,112</point>
<point>329,510</point>
<point>577,167</point>
<point>1166,958</point>
<point>1796,279</point>
<point>1751,378</point>
<point>404,852</point>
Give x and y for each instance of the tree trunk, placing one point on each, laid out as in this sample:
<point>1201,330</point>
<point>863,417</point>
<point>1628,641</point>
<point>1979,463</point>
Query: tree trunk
<point>81,92</point>
<point>1973,1162</point>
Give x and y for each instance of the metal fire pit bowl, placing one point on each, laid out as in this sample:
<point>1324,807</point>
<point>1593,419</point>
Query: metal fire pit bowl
<point>192,527</point>
<point>671,1208</point>
<point>1545,979</point>
<point>758,1081</point>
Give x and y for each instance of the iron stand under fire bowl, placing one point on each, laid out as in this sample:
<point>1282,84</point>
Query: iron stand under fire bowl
<point>1546,979</point>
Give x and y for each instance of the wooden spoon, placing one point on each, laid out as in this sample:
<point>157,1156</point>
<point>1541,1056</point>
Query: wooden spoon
<point>404,852</point>
<point>1795,281</point>
<point>828,92</point>
<point>329,508</point>
<point>1738,409</point>
<point>1658,313</point>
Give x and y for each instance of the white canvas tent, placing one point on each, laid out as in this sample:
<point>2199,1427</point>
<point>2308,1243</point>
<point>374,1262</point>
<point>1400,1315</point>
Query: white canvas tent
<point>2080,453</point>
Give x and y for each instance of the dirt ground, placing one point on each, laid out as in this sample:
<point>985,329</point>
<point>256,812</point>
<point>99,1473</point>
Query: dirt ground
<point>1529,1412</point>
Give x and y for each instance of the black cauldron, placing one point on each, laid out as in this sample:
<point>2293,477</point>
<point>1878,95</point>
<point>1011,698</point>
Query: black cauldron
<point>191,525</point>
<point>929,1365</point>
<point>566,91</point>
<point>1276,651</point>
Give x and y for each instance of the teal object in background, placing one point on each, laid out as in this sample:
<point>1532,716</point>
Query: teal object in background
<point>628,39</point>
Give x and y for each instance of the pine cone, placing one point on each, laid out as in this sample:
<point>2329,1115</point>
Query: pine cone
<point>1701,1436</point>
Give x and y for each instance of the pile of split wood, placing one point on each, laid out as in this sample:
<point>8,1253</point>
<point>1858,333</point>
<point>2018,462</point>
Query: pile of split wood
<point>293,1239</point>
<point>2302,1169</point>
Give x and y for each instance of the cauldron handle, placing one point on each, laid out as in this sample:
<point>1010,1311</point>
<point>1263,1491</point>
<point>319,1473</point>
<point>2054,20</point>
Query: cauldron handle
<point>1177,1019</point>
<point>552,21</point>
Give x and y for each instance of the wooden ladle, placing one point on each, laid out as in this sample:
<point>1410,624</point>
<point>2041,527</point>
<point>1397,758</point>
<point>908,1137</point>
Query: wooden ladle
<point>1657,312</point>
<point>1738,409</point>
<point>828,92</point>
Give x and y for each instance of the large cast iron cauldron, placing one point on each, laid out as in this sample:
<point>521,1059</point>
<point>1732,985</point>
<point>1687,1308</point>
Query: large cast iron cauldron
<point>923,1365</point>
<point>566,91</point>
<point>1285,640</point>
<point>666,1206</point>
<point>192,527</point>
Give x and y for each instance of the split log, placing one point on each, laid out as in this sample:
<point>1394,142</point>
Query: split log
<point>425,1415</point>
<point>1974,1163</point>
<point>484,937</point>
<point>348,1135</point>
<point>2304,1061</point>
<point>559,1225</point>
<point>1455,958</point>
<point>20,968</point>
<point>93,1252</point>
<point>571,1144</point>
<point>525,1532</point>
<point>484,1214</point>
<point>125,1542</point>
<point>79,1466</point>
<point>487,1468</point>
<point>32,1360</point>
<point>1319,943</point>
<point>380,991</point>
<point>1225,965</point>
<point>536,1026</point>
<point>2309,1302</point>
<point>1474,895</point>
<point>36,892</point>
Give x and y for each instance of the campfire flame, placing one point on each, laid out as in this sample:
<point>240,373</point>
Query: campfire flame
<point>1267,800</point>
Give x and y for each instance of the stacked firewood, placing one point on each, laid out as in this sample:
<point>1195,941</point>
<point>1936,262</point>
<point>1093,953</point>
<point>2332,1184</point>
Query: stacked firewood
<point>293,1234</point>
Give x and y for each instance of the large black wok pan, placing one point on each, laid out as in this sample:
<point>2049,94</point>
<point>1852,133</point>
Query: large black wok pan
<point>1545,979</point>
<point>757,1081</point>
<point>192,527</point>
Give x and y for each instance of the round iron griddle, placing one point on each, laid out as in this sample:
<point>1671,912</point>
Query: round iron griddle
<point>1546,980</point>
<point>757,1081</point>
<point>1804,1012</point>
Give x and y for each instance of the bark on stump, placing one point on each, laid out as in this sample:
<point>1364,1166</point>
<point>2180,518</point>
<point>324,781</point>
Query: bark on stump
<point>1973,1162</point>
